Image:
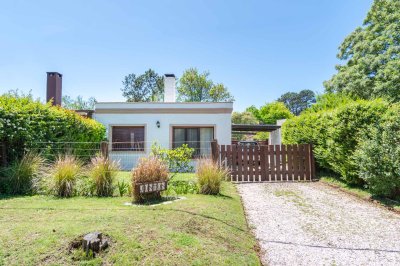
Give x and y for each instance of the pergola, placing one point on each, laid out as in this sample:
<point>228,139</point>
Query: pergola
<point>253,129</point>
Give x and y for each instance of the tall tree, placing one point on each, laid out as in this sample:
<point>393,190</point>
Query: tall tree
<point>271,112</point>
<point>372,56</point>
<point>197,87</point>
<point>148,87</point>
<point>79,103</point>
<point>297,102</point>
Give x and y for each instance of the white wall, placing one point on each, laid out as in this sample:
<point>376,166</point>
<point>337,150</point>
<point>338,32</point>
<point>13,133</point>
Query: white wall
<point>163,135</point>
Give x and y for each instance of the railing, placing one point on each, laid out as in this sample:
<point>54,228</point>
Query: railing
<point>127,154</point>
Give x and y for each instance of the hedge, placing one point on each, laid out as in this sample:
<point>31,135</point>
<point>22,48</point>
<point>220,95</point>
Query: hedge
<point>27,123</point>
<point>336,134</point>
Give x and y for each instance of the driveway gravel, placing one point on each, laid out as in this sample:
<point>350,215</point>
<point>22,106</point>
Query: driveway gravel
<point>313,224</point>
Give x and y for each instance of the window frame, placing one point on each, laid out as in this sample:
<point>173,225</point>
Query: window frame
<point>198,127</point>
<point>110,135</point>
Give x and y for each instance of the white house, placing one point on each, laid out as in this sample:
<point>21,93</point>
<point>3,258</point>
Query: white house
<point>133,127</point>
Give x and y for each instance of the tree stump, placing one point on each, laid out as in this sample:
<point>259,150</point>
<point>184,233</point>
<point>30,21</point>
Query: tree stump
<point>94,242</point>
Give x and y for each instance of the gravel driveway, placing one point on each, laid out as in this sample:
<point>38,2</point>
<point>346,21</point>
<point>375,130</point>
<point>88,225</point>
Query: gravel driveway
<point>312,224</point>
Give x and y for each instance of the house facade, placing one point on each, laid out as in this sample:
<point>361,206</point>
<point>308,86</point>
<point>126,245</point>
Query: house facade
<point>132,128</point>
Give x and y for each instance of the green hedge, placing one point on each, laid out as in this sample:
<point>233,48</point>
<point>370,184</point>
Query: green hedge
<point>26,123</point>
<point>378,155</point>
<point>336,134</point>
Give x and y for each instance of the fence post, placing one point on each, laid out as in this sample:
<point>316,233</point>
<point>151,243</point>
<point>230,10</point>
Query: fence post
<point>214,150</point>
<point>104,148</point>
<point>313,170</point>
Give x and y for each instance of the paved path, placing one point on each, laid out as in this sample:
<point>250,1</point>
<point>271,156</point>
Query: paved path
<point>312,224</point>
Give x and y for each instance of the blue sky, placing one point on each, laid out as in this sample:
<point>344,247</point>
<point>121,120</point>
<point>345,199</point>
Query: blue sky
<point>258,49</point>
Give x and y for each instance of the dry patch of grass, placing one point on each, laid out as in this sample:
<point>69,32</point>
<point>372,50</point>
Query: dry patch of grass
<point>201,230</point>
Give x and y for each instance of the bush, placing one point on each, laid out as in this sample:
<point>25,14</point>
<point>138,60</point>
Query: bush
<point>180,187</point>
<point>379,156</point>
<point>103,171</point>
<point>23,175</point>
<point>178,159</point>
<point>123,188</point>
<point>27,124</point>
<point>336,134</point>
<point>149,169</point>
<point>209,176</point>
<point>63,176</point>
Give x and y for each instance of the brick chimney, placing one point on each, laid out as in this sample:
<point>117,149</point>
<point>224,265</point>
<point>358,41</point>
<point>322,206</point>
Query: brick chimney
<point>169,88</point>
<point>54,87</point>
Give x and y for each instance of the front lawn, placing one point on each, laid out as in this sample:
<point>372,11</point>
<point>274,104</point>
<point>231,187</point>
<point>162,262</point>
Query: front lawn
<point>199,230</point>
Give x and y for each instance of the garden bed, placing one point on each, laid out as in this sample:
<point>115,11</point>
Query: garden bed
<point>199,230</point>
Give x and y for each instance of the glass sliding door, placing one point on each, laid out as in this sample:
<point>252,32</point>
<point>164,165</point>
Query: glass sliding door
<point>198,138</point>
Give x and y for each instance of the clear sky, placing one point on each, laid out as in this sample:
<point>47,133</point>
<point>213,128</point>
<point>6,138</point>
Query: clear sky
<point>258,49</point>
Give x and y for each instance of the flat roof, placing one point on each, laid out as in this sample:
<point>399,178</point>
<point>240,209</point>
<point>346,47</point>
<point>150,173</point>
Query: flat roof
<point>163,107</point>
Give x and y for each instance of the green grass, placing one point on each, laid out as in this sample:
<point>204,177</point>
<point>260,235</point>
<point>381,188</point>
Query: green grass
<point>358,191</point>
<point>200,230</point>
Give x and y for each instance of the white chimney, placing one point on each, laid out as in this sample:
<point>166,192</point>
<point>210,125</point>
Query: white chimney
<point>169,88</point>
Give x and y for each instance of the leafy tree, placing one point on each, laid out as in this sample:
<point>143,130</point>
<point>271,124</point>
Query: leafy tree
<point>148,87</point>
<point>271,112</point>
<point>297,102</point>
<point>372,56</point>
<point>197,87</point>
<point>244,118</point>
<point>79,103</point>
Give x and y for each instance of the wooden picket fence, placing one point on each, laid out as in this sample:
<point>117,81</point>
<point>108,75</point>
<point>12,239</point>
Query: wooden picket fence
<point>269,163</point>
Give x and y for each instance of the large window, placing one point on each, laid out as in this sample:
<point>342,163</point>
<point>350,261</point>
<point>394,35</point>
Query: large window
<point>198,138</point>
<point>128,138</point>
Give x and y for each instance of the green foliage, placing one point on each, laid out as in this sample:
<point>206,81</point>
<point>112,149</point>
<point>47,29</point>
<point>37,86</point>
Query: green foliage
<point>244,118</point>
<point>148,87</point>
<point>79,103</point>
<point>261,136</point>
<point>123,188</point>
<point>329,101</point>
<point>27,124</point>
<point>209,176</point>
<point>23,175</point>
<point>197,87</point>
<point>372,56</point>
<point>63,175</point>
<point>181,187</point>
<point>271,112</point>
<point>103,173</point>
<point>178,159</point>
<point>335,134</point>
<point>297,102</point>
<point>378,155</point>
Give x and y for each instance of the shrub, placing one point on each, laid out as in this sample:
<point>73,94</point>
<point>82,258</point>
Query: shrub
<point>181,187</point>
<point>26,123</point>
<point>178,159</point>
<point>335,134</point>
<point>379,156</point>
<point>209,176</point>
<point>63,175</point>
<point>123,188</point>
<point>23,175</point>
<point>103,172</point>
<point>149,170</point>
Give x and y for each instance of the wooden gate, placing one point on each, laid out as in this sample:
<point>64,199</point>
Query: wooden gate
<point>269,163</point>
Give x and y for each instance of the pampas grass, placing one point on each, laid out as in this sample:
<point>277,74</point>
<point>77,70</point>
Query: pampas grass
<point>103,172</point>
<point>209,176</point>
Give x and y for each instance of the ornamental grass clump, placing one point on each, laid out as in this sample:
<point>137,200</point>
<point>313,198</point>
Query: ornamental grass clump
<point>23,175</point>
<point>149,169</point>
<point>103,172</point>
<point>209,176</point>
<point>63,175</point>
